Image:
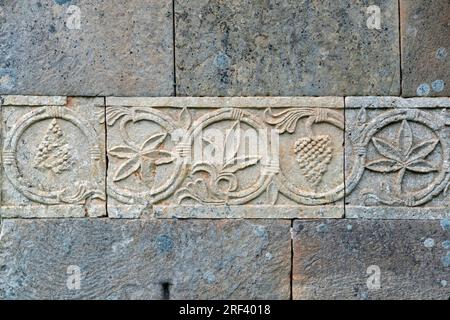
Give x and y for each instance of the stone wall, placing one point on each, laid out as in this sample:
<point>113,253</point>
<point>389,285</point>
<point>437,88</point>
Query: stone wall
<point>209,149</point>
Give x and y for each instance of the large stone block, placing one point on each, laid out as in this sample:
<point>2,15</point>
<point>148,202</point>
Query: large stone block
<point>397,157</point>
<point>302,47</point>
<point>86,47</point>
<point>144,259</point>
<point>425,47</point>
<point>225,157</point>
<point>53,157</point>
<point>371,259</point>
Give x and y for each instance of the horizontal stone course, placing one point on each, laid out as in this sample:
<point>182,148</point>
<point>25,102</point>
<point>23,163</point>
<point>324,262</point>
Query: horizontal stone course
<point>212,157</point>
<point>86,47</point>
<point>143,259</point>
<point>257,48</point>
<point>201,167</point>
<point>371,259</point>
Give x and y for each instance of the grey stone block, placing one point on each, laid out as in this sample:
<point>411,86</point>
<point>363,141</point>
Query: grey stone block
<point>425,47</point>
<point>53,157</point>
<point>144,259</point>
<point>397,157</point>
<point>304,47</point>
<point>225,157</point>
<point>368,259</point>
<point>86,47</point>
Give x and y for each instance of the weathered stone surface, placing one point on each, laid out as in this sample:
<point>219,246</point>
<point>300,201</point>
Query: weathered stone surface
<point>425,47</point>
<point>253,158</point>
<point>284,47</point>
<point>397,157</point>
<point>114,48</point>
<point>53,157</point>
<point>341,259</point>
<point>136,259</point>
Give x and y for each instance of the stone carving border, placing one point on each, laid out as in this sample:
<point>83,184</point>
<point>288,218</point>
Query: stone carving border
<point>83,189</point>
<point>363,137</point>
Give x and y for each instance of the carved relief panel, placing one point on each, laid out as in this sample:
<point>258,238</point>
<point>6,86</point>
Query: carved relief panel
<point>397,157</point>
<point>53,158</point>
<point>225,157</point>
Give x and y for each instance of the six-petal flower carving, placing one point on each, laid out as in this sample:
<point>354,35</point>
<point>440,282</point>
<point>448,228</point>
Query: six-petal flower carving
<point>143,160</point>
<point>403,154</point>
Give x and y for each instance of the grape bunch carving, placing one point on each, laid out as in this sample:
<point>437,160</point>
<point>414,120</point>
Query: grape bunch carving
<point>313,156</point>
<point>53,152</point>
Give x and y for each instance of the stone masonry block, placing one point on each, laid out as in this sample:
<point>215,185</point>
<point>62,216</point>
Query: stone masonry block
<point>302,47</point>
<point>371,259</point>
<point>225,157</point>
<point>397,157</point>
<point>144,259</point>
<point>425,42</point>
<point>86,47</point>
<point>53,157</point>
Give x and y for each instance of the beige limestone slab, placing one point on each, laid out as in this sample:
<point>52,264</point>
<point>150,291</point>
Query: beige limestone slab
<point>397,158</point>
<point>53,157</point>
<point>252,157</point>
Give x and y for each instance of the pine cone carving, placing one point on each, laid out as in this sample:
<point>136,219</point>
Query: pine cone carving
<point>53,152</point>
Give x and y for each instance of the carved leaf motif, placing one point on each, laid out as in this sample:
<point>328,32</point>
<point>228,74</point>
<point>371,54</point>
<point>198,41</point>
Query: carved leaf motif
<point>145,159</point>
<point>230,180</point>
<point>383,165</point>
<point>127,168</point>
<point>159,156</point>
<point>286,120</point>
<point>115,113</point>
<point>421,166</point>
<point>422,150</point>
<point>154,141</point>
<point>184,119</point>
<point>361,117</point>
<point>122,152</point>
<point>272,193</point>
<point>240,163</point>
<point>402,155</point>
<point>405,139</point>
<point>232,142</point>
<point>386,149</point>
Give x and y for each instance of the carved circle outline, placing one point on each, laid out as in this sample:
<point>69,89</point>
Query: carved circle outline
<point>375,125</point>
<point>312,198</point>
<point>252,192</point>
<point>13,136</point>
<point>125,196</point>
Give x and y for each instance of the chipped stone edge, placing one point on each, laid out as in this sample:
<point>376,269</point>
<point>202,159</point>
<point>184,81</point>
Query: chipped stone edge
<point>378,102</point>
<point>396,213</point>
<point>226,102</point>
<point>16,100</point>
<point>228,212</point>
<point>53,211</point>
